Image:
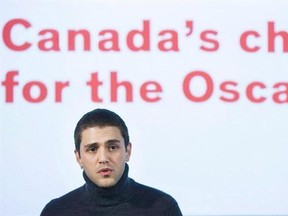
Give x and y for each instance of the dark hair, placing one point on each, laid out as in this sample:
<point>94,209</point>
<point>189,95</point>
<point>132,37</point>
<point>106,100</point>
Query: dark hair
<point>100,118</point>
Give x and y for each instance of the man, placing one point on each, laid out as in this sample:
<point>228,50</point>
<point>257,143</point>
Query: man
<point>102,149</point>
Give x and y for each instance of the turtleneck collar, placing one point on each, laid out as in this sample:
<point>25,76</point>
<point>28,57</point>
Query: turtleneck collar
<point>109,196</point>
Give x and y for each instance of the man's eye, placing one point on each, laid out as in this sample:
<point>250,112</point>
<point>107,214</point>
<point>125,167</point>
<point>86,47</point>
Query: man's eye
<point>92,149</point>
<point>113,147</point>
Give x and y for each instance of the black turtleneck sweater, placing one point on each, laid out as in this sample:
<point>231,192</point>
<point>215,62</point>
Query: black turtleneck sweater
<point>126,198</point>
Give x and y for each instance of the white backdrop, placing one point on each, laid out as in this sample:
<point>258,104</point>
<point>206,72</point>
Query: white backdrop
<point>215,135</point>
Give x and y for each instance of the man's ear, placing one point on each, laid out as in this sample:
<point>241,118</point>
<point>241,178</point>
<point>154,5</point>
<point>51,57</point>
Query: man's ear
<point>78,158</point>
<point>128,151</point>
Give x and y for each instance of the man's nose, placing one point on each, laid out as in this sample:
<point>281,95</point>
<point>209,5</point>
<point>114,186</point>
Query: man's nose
<point>103,156</point>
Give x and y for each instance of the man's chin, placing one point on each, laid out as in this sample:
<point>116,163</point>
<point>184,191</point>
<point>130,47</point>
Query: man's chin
<point>106,183</point>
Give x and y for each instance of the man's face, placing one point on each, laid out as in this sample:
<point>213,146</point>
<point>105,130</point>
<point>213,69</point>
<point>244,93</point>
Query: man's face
<point>103,155</point>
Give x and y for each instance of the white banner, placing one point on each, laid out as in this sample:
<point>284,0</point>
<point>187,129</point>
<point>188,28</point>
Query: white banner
<point>202,86</point>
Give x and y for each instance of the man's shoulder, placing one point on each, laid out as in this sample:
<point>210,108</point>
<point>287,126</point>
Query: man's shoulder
<point>146,195</point>
<point>142,189</point>
<point>55,206</point>
<point>71,196</point>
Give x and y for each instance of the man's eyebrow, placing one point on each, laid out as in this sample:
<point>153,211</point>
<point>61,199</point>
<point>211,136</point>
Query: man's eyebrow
<point>111,141</point>
<point>91,145</point>
<point>96,144</point>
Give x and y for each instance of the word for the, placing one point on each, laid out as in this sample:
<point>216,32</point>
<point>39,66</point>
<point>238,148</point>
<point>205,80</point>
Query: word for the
<point>37,91</point>
<point>149,91</point>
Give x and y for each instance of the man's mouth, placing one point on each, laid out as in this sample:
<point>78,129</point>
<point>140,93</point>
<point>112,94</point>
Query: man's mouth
<point>105,171</point>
